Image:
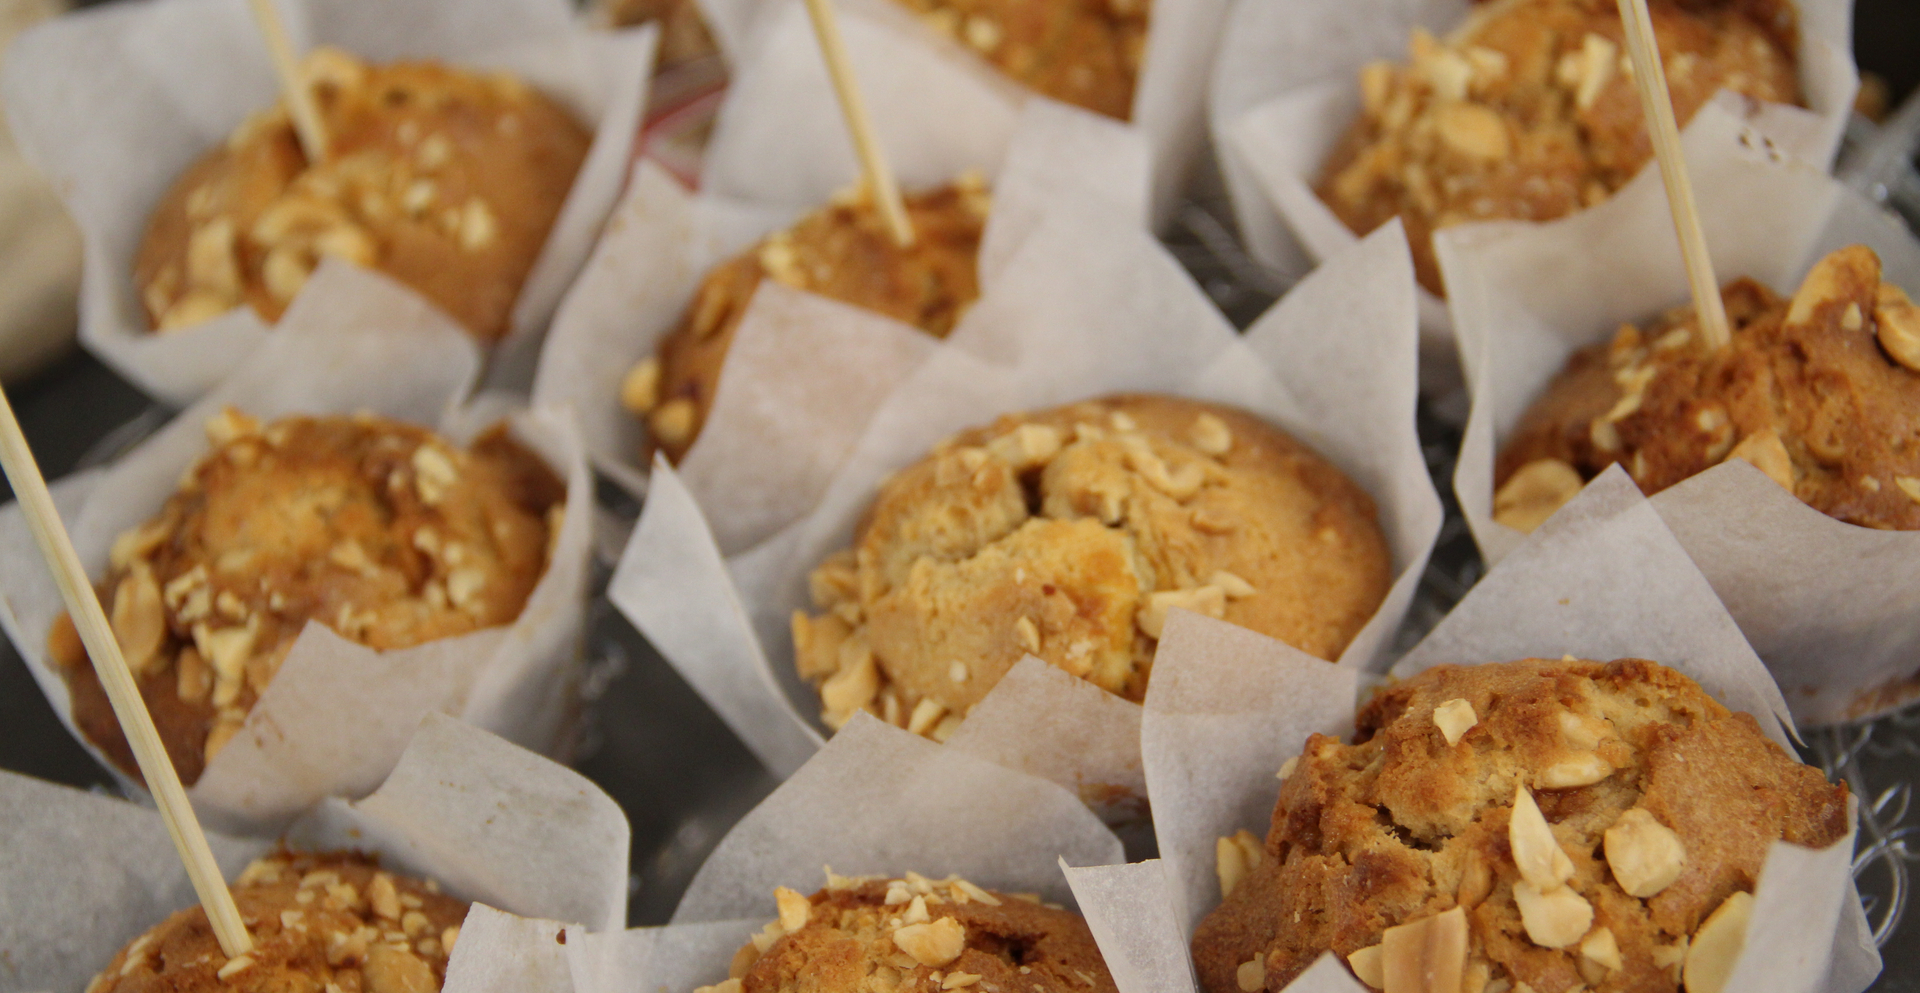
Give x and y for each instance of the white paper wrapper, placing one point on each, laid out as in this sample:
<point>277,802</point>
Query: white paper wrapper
<point>875,801</point>
<point>82,875</point>
<point>936,106</point>
<point>1823,602</point>
<point>1088,305</point>
<point>1286,87</point>
<point>114,104</point>
<point>338,714</point>
<point>662,241</point>
<point>1603,579</point>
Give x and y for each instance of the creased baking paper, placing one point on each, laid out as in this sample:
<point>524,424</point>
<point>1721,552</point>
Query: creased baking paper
<point>875,801</point>
<point>660,244</point>
<point>81,875</point>
<point>1603,579</point>
<point>113,104</point>
<point>1826,604</point>
<point>338,714</point>
<point>1286,87</point>
<point>1088,305</point>
<point>937,107</point>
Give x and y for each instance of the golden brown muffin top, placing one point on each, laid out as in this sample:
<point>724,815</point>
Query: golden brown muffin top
<point>842,251</point>
<point>1068,534</point>
<point>1529,111</point>
<point>446,180</point>
<point>1820,392</point>
<point>328,922</point>
<point>382,531</point>
<point>1084,52</point>
<point>1566,825</point>
<point>870,934</point>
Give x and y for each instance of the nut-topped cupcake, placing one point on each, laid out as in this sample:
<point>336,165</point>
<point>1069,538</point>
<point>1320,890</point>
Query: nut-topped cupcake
<point>446,180</point>
<point>1552,825</point>
<point>1529,111</point>
<point>1068,534</point>
<point>380,530</point>
<point>842,251</point>
<point>873,933</point>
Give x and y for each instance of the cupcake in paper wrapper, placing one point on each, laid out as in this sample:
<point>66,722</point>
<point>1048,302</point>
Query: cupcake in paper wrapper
<point>1819,598</point>
<point>116,105</point>
<point>336,713</point>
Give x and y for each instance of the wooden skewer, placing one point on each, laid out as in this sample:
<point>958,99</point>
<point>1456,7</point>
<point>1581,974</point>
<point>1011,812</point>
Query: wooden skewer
<point>306,115</point>
<point>1650,78</point>
<point>893,210</point>
<point>30,488</point>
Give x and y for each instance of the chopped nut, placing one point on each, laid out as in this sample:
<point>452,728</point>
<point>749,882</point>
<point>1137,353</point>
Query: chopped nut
<point>916,911</point>
<point>139,619</point>
<point>1474,131</point>
<point>196,306</point>
<point>983,34</point>
<point>1179,485</point>
<point>224,728</point>
<point>1535,493</point>
<point>958,980</point>
<point>1536,852</point>
<point>234,966</point>
<point>794,908</point>
<point>418,197</point>
<point>780,261</point>
<point>1554,918</point>
<point>932,944</point>
<point>1717,944</point>
<point>285,272</point>
<point>957,672</point>
<point>1028,633</point>
<point>1026,446</point>
<point>449,936</point>
<point>1233,586</point>
<point>1601,947</point>
<point>724,986</point>
<point>434,152</point>
<point>1579,769</point>
<point>672,422</point>
<point>1908,485</point>
<point>1428,955</point>
<point>211,263</point>
<point>383,897</point>
<point>962,888</point>
<point>1208,600</point>
<point>1831,279</point>
<point>1766,453</point>
<point>640,387</point>
<point>1851,319</point>
<point>1671,956</point>
<point>1580,731</point>
<point>347,241</point>
<point>478,227</point>
<point>1367,966</point>
<point>413,922</point>
<point>1233,857</point>
<point>1604,435</point>
<point>853,686</point>
<point>223,428</point>
<point>1454,718</point>
<point>1211,435</point>
<point>226,649</point>
<point>433,473</point>
<point>1287,768</point>
<point>1899,325</point>
<point>1598,56</point>
<point>1251,976</point>
<point>464,588</point>
<point>390,970</point>
<point>926,714</point>
<point>1645,855</point>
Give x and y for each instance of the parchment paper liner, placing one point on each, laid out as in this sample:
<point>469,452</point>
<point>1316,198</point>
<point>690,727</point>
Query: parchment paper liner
<point>113,104</point>
<point>1828,605</point>
<point>875,800</point>
<point>1603,579</point>
<point>337,714</point>
<point>1101,308</point>
<point>1286,87</point>
<point>662,240</point>
<point>937,107</point>
<point>81,875</point>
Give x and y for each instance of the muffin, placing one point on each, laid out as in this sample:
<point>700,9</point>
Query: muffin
<point>842,251</point>
<point>1068,534</point>
<point>332,921</point>
<point>1822,393</point>
<point>1529,111</point>
<point>1084,52</point>
<point>382,531</point>
<point>869,933</point>
<point>1545,825</point>
<point>446,180</point>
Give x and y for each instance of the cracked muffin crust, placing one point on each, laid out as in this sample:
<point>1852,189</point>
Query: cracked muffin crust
<point>330,921</point>
<point>382,531</point>
<point>1820,392</point>
<point>1529,111</point>
<point>842,251</point>
<point>1068,534</point>
<point>1084,52</point>
<point>871,934</point>
<point>1563,825</point>
<point>446,180</point>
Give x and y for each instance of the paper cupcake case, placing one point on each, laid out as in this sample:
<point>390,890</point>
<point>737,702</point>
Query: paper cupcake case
<point>1286,87</point>
<point>114,103</point>
<point>937,107</point>
<point>1604,579</point>
<point>663,240</point>
<point>490,822</point>
<point>1086,305</point>
<point>1827,604</point>
<point>874,801</point>
<point>338,714</point>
